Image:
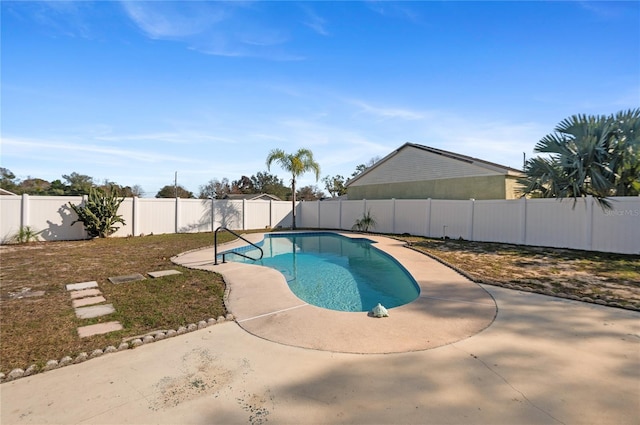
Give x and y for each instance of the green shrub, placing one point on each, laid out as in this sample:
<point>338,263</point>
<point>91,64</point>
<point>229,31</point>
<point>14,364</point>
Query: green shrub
<point>25,235</point>
<point>99,213</point>
<point>363,224</point>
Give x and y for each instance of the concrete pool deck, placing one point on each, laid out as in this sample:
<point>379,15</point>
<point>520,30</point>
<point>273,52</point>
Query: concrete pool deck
<point>543,360</point>
<point>448,309</point>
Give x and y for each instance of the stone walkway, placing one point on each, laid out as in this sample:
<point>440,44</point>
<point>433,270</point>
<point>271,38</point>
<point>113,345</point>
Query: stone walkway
<point>88,302</point>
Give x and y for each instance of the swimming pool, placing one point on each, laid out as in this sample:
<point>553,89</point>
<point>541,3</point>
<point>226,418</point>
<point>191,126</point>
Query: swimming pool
<point>335,272</point>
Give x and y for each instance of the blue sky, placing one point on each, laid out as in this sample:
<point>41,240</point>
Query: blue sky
<point>134,91</point>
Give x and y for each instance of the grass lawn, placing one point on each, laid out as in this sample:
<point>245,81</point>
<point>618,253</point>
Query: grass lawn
<point>36,329</point>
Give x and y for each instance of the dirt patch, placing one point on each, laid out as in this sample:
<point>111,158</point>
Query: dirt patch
<point>610,278</point>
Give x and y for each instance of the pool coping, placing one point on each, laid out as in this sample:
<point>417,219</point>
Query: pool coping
<point>449,308</point>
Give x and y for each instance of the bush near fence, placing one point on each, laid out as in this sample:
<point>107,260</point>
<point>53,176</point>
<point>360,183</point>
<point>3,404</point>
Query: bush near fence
<point>538,222</point>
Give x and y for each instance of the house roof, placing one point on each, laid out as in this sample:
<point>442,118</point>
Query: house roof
<point>6,192</point>
<point>252,197</point>
<point>489,166</point>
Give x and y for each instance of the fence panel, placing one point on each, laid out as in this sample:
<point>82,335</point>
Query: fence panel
<point>10,217</point>
<point>618,229</point>
<point>382,212</point>
<point>281,214</point>
<point>351,211</point>
<point>194,215</point>
<point>307,214</point>
<point>498,221</point>
<point>257,214</point>
<point>53,215</point>
<point>556,223</point>
<point>329,214</point>
<point>228,214</point>
<point>411,216</point>
<point>156,216</point>
<point>126,211</point>
<point>450,219</point>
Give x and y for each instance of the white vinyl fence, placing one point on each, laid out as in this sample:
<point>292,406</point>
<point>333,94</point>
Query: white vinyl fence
<point>53,216</point>
<point>537,222</point>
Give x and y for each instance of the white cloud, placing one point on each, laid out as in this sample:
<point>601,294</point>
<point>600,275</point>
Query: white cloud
<point>314,21</point>
<point>393,10</point>
<point>161,20</point>
<point>168,137</point>
<point>213,28</point>
<point>20,147</point>
<point>386,112</point>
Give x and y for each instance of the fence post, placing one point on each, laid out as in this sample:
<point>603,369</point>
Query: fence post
<point>134,216</point>
<point>471,212</point>
<point>24,213</point>
<point>244,214</point>
<point>428,232</point>
<point>270,213</point>
<point>318,202</point>
<point>177,216</point>
<point>589,223</point>
<point>393,215</point>
<point>523,221</point>
<point>214,204</point>
<point>340,214</point>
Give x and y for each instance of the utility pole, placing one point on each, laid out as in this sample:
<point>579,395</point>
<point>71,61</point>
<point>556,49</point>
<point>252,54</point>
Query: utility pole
<point>175,184</point>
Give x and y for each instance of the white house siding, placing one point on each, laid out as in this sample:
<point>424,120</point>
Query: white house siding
<point>478,187</point>
<point>412,164</point>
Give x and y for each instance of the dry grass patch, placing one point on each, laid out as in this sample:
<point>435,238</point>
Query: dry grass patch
<point>36,329</point>
<point>614,278</point>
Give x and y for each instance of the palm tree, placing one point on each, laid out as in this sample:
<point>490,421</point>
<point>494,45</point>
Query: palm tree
<point>589,155</point>
<point>626,161</point>
<point>297,164</point>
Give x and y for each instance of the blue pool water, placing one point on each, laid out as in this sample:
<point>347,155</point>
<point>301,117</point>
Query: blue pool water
<point>335,272</point>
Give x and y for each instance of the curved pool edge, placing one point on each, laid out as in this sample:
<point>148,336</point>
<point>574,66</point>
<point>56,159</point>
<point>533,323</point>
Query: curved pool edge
<point>324,253</point>
<point>449,308</point>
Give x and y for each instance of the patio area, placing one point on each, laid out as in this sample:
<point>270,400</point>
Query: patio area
<point>542,361</point>
<point>474,355</point>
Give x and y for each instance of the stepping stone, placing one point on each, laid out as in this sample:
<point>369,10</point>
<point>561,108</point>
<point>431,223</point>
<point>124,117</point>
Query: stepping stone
<point>85,293</point>
<point>25,293</point>
<point>162,273</point>
<point>99,329</point>
<point>83,285</point>
<point>126,278</point>
<point>94,311</point>
<point>87,301</point>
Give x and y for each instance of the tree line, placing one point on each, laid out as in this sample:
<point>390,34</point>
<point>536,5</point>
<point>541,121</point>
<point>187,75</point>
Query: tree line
<point>76,184</point>
<point>586,155</point>
<point>73,184</point>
